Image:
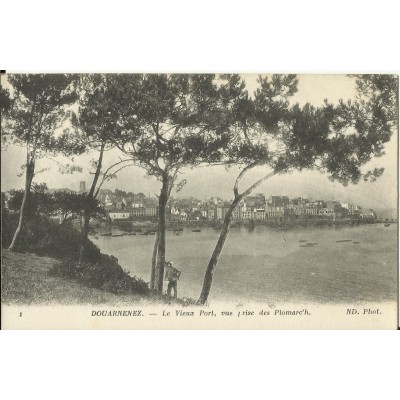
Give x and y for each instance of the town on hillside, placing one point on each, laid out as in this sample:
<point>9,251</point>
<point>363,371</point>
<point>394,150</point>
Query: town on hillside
<point>128,206</point>
<point>121,205</point>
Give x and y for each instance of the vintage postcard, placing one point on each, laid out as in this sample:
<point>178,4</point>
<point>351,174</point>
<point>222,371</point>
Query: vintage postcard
<point>199,201</point>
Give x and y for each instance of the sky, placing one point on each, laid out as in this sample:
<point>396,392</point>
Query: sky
<point>205,182</point>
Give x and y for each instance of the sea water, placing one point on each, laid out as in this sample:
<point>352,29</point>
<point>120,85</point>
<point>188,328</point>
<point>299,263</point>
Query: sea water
<point>274,265</point>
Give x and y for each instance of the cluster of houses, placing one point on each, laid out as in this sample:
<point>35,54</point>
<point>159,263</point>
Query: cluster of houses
<point>258,207</point>
<point>279,208</point>
<point>121,205</point>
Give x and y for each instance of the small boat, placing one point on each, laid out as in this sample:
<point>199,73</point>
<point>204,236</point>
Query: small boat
<point>196,230</point>
<point>356,242</point>
<point>343,240</point>
<point>106,234</point>
<point>302,241</point>
<point>118,235</point>
<point>178,229</point>
<point>387,225</point>
<point>308,245</point>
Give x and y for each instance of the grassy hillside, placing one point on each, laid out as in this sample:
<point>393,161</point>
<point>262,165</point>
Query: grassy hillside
<point>44,269</point>
<point>45,238</point>
<point>26,280</point>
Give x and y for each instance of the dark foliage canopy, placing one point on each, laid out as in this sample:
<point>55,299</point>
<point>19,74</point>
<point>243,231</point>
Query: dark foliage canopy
<point>170,121</point>
<point>39,107</point>
<point>5,101</point>
<point>336,139</point>
<point>68,204</point>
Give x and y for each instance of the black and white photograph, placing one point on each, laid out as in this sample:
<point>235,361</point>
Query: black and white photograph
<point>199,200</point>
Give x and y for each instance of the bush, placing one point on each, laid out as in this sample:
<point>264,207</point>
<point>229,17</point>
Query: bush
<point>45,237</point>
<point>8,227</point>
<point>107,275</point>
<point>41,236</point>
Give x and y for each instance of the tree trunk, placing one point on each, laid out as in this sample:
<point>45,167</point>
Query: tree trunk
<point>162,204</point>
<point>154,262</point>
<point>29,174</point>
<point>87,211</point>
<point>225,230</point>
<point>84,235</point>
<point>208,277</point>
<point>30,170</point>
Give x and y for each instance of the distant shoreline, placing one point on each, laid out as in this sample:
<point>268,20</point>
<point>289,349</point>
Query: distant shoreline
<point>141,227</point>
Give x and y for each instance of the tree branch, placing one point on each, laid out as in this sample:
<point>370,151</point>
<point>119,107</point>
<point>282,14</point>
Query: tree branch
<point>105,176</point>
<point>240,176</point>
<point>115,164</point>
<point>133,154</point>
<point>172,181</point>
<point>154,168</point>
<point>258,183</point>
<point>98,169</point>
<point>156,131</point>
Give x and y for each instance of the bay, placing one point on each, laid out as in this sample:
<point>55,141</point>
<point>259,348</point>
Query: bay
<point>345,265</point>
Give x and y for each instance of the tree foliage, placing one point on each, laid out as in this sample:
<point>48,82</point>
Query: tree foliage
<point>39,201</point>
<point>338,140</point>
<point>71,205</point>
<point>95,124</point>
<point>169,122</point>
<point>40,106</point>
<point>5,100</point>
<point>68,204</point>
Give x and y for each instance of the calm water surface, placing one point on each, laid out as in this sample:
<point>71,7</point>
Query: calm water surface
<point>268,265</point>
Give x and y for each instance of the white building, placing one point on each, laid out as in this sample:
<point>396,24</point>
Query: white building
<point>328,212</point>
<point>151,210</point>
<point>247,213</point>
<point>259,214</point>
<point>273,211</point>
<point>311,210</point>
<point>203,213</point>
<point>174,211</point>
<point>352,208</point>
<point>119,214</point>
<point>108,201</point>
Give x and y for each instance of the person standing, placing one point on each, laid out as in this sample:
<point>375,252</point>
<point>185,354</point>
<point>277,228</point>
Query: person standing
<point>172,275</point>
